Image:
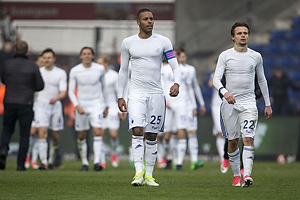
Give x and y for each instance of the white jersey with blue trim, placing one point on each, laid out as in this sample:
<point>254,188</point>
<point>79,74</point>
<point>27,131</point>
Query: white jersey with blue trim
<point>111,84</point>
<point>145,57</point>
<point>90,82</point>
<point>55,82</point>
<point>239,69</point>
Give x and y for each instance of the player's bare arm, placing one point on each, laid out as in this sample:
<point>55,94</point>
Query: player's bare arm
<point>202,110</point>
<point>174,90</point>
<point>268,112</point>
<point>122,105</point>
<point>229,98</point>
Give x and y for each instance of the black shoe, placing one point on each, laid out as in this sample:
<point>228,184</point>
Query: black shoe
<point>97,167</point>
<point>84,168</point>
<point>179,167</point>
<point>21,168</point>
<point>169,164</point>
<point>2,161</point>
<point>42,167</point>
<point>50,166</point>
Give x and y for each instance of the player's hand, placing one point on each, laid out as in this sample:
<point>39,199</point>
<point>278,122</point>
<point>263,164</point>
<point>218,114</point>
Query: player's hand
<point>80,110</point>
<point>105,112</point>
<point>174,90</point>
<point>268,112</point>
<point>195,112</point>
<point>53,100</point>
<point>202,110</point>
<point>229,98</point>
<point>122,105</point>
<point>122,115</point>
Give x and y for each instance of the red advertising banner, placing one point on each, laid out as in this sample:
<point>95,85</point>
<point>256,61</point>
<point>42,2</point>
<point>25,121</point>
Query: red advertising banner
<point>84,11</point>
<point>62,11</point>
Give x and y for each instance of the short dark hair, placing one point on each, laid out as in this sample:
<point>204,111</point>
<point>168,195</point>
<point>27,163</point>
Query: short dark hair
<point>21,47</point>
<point>141,11</point>
<point>38,57</point>
<point>48,50</point>
<point>90,48</point>
<point>239,24</point>
<point>179,50</point>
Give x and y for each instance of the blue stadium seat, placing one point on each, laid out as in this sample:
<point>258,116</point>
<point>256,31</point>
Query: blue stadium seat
<point>285,61</point>
<point>258,47</point>
<point>295,76</point>
<point>294,34</point>
<point>269,61</point>
<point>274,48</point>
<point>278,35</point>
<point>290,48</point>
<point>296,21</point>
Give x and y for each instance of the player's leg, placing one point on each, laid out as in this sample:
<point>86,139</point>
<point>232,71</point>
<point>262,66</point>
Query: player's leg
<point>156,106</point>
<point>181,134</point>
<point>31,144</point>
<point>103,151</point>
<point>114,125</point>
<point>167,137</point>
<point>161,160</point>
<point>231,129</point>
<point>225,163</point>
<point>35,152</point>
<point>97,147</point>
<point>81,126</point>
<point>248,126</point>
<point>57,125</point>
<point>53,148</point>
<point>137,120</point>
<point>192,126</point>
<point>43,147</point>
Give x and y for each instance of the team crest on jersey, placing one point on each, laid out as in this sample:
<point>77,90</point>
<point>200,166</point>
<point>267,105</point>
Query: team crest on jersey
<point>251,67</point>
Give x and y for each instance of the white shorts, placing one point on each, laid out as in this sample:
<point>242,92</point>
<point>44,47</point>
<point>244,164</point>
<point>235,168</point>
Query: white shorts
<point>93,115</point>
<point>238,120</point>
<point>47,115</point>
<point>148,111</point>
<point>192,121</point>
<point>215,112</point>
<point>112,121</point>
<point>175,118</point>
<point>33,124</point>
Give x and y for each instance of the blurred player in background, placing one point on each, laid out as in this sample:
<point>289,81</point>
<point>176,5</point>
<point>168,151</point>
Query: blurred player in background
<point>238,110</point>
<point>146,101</point>
<point>48,108</point>
<point>34,138</point>
<point>191,111</point>
<point>112,121</point>
<point>90,107</point>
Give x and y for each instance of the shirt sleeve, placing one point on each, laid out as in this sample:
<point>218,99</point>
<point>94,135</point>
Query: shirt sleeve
<point>72,86</point>
<point>123,72</point>
<point>197,89</point>
<point>262,82</point>
<point>219,74</point>
<point>104,88</point>
<point>63,82</point>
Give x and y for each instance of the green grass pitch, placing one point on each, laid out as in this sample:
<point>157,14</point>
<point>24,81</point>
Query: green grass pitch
<point>271,181</point>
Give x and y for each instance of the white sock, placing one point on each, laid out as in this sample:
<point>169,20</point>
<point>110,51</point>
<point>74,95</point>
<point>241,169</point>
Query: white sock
<point>43,147</point>
<point>53,152</point>
<point>220,141</point>
<point>193,147</point>
<point>167,148</point>
<point>30,147</point>
<point>97,146</point>
<point>173,146</point>
<point>138,153</point>
<point>35,149</point>
<point>160,151</point>
<point>103,153</point>
<point>181,149</point>
<point>248,157</point>
<point>82,148</point>
<point>130,154</point>
<point>150,156</point>
<point>114,145</point>
<point>235,162</point>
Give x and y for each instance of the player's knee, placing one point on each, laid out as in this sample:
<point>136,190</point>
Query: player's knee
<point>137,131</point>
